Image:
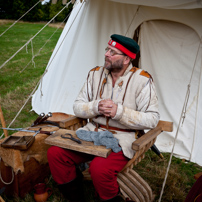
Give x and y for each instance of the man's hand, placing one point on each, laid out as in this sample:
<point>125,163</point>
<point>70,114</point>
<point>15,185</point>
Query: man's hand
<point>107,107</point>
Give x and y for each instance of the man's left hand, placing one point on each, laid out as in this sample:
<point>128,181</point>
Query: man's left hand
<point>107,107</point>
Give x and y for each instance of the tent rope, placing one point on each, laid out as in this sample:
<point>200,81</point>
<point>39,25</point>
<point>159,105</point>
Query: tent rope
<point>24,104</point>
<point>26,49</point>
<point>186,102</point>
<point>7,183</point>
<point>33,36</point>
<point>44,44</point>
<point>196,107</point>
<point>20,18</point>
<point>59,48</point>
<point>22,107</point>
<point>33,54</point>
<point>181,117</point>
<point>189,85</point>
<point>40,77</point>
<point>132,19</point>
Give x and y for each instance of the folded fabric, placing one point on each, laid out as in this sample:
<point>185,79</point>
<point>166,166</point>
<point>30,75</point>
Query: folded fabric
<point>104,138</point>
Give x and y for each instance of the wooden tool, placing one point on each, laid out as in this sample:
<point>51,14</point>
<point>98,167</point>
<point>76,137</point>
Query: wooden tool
<point>3,123</point>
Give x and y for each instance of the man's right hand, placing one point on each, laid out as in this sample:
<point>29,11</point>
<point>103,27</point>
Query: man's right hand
<point>107,107</point>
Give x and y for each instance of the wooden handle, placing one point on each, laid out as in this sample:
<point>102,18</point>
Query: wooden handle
<point>3,123</point>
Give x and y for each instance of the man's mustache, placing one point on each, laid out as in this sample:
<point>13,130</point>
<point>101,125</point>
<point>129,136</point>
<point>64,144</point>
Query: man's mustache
<point>107,60</point>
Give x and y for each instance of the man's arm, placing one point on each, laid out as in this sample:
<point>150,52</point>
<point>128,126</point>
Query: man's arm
<point>146,116</point>
<point>83,107</point>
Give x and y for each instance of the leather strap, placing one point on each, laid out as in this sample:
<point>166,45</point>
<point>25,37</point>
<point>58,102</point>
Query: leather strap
<point>114,128</point>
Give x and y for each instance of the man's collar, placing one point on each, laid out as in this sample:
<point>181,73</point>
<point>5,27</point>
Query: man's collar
<point>130,66</point>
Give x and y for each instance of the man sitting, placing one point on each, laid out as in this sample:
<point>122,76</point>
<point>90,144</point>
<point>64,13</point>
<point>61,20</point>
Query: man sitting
<point>119,98</point>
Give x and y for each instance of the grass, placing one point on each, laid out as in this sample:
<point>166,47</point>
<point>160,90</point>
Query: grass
<point>180,177</point>
<point>16,84</point>
<point>16,81</point>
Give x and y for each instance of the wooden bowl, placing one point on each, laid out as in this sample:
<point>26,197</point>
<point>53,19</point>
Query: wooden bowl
<point>58,116</point>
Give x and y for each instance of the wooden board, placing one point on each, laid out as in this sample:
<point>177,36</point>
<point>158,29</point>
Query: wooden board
<point>85,147</point>
<point>166,125</point>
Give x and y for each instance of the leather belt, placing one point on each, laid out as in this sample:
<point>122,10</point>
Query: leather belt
<point>114,128</point>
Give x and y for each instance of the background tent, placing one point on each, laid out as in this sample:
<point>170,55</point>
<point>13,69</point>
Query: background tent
<point>169,34</point>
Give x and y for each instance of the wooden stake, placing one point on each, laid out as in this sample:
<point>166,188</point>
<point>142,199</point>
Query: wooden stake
<point>3,123</point>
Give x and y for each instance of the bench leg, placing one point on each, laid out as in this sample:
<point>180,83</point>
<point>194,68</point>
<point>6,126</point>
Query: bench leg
<point>132,186</point>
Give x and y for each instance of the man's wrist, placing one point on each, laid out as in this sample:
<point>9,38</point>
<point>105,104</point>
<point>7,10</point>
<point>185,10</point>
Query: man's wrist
<point>119,112</point>
<point>96,107</point>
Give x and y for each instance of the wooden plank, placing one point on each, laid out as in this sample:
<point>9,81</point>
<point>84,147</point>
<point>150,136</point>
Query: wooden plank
<point>130,194</point>
<point>70,122</point>
<point>124,195</point>
<point>153,133</point>
<point>85,147</point>
<point>146,138</point>
<point>141,181</point>
<point>132,186</point>
<point>166,126</point>
<point>137,184</point>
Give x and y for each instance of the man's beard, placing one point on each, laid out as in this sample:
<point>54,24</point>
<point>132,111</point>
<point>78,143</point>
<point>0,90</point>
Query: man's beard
<point>116,66</point>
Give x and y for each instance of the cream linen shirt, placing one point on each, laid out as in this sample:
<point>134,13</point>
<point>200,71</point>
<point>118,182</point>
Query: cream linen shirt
<point>138,110</point>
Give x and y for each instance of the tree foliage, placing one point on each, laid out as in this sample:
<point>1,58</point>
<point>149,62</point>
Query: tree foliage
<point>54,8</point>
<point>14,9</point>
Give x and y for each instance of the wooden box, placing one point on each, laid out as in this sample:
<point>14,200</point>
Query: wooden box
<point>24,182</point>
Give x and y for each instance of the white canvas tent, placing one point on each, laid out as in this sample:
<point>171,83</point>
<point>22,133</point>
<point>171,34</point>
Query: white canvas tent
<point>170,42</point>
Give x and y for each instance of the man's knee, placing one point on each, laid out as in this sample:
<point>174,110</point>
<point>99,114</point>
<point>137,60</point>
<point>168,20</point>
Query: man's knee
<point>99,171</point>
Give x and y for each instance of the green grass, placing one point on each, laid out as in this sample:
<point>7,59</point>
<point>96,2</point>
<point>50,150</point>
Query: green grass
<point>180,177</point>
<point>16,86</point>
<point>16,81</point>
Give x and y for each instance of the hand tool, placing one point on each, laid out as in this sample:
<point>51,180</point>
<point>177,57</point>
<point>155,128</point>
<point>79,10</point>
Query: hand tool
<point>38,119</point>
<point>46,117</point>
<point>30,131</point>
<point>69,136</point>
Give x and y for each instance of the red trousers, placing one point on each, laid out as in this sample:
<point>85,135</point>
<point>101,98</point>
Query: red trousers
<point>103,170</point>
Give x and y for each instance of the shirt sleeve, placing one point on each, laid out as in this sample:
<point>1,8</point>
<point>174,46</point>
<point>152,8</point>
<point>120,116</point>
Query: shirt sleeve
<point>84,106</point>
<point>146,116</point>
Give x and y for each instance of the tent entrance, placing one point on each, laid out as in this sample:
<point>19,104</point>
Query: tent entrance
<point>168,51</point>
